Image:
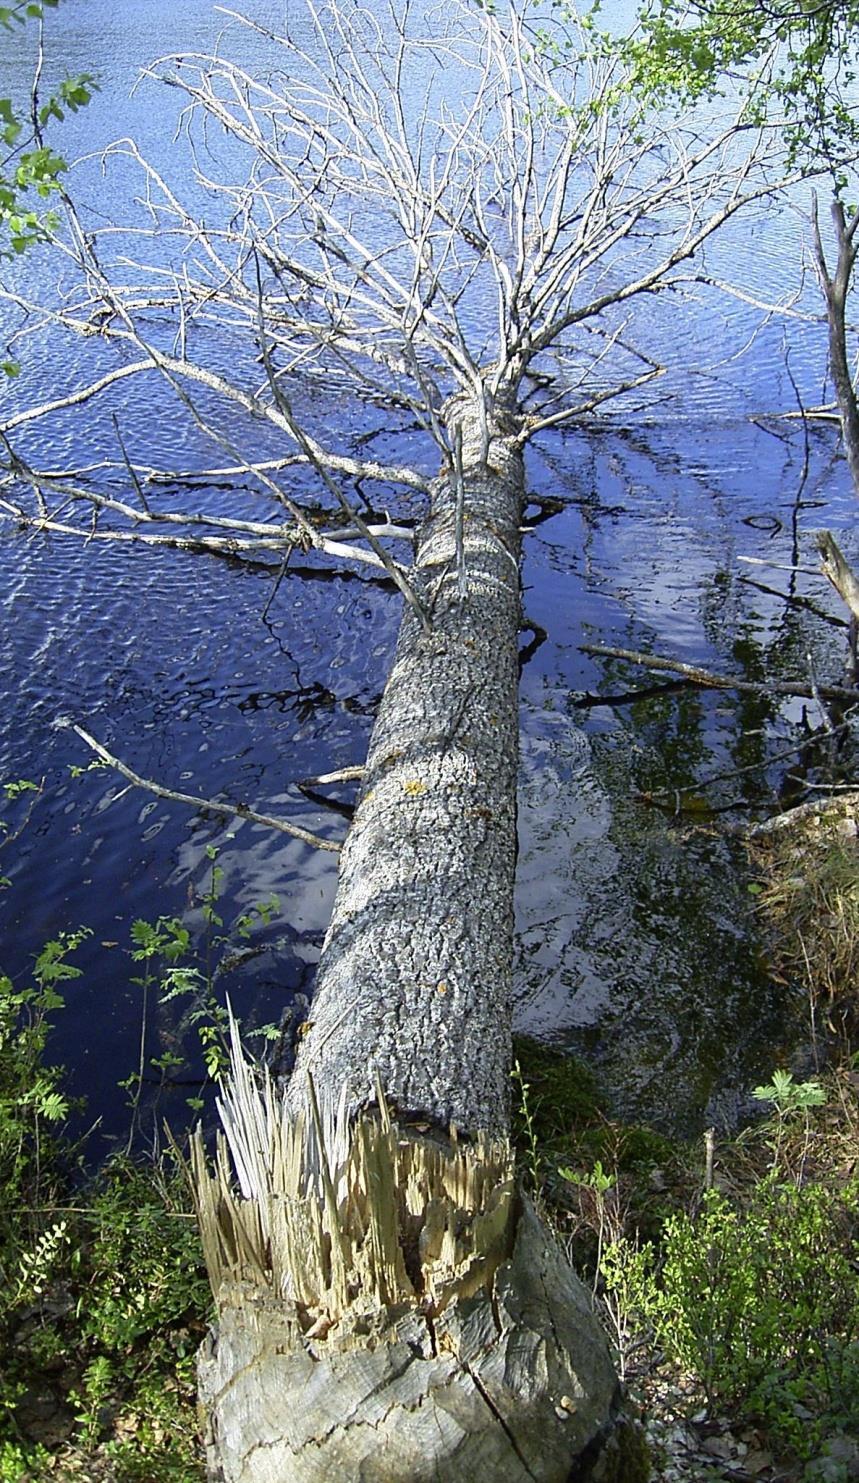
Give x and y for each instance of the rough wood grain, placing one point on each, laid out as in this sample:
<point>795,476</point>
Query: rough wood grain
<point>415,976</point>
<point>507,1386</point>
<point>838,571</point>
<point>448,1338</point>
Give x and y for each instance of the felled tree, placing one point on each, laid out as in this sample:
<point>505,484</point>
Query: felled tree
<point>455,224</point>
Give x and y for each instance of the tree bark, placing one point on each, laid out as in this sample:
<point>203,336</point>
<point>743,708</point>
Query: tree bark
<point>835,287</point>
<point>389,1308</point>
<point>415,978</point>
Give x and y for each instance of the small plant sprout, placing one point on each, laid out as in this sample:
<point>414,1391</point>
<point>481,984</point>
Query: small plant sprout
<point>21,785</point>
<point>789,1096</point>
<point>790,1099</point>
<point>598,1184</point>
<point>530,1131</point>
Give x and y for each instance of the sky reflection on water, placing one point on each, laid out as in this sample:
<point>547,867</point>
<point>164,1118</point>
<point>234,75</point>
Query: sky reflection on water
<point>632,943</point>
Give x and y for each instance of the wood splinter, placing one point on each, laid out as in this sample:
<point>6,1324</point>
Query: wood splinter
<point>384,1299</point>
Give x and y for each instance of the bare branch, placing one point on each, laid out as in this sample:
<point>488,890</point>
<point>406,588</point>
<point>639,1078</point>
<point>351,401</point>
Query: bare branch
<point>698,676</point>
<point>835,287</point>
<point>406,256</point>
<point>227,810</point>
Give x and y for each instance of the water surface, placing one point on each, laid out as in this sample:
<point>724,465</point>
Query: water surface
<point>635,946</point>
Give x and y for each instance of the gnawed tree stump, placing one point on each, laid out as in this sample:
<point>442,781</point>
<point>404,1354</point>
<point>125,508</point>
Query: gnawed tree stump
<point>433,1329</point>
<point>389,1307</point>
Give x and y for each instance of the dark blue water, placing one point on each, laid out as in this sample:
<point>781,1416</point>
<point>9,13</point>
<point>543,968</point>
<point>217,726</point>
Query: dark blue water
<point>635,941</point>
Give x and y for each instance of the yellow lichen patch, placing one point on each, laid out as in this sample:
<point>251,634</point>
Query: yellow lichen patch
<point>441,988</point>
<point>414,787</point>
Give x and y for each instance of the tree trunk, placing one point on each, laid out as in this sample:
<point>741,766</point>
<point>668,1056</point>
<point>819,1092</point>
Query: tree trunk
<point>389,1306</point>
<point>414,983</point>
<point>835,288</point>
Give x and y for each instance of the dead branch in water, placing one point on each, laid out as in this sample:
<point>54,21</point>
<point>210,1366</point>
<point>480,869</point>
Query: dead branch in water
<point>697,676</point>
<point>228,810</point>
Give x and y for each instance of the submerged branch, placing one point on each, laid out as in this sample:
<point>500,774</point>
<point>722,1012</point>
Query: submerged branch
<point>673,795</point>
<point>697,676</point>
<point>228,810</point>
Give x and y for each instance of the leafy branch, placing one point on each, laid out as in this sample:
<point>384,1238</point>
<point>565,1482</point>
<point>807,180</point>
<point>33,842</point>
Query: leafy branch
<point>29,167</point>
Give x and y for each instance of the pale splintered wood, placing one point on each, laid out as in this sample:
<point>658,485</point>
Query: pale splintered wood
<point>369,1216</point>
<point>389,1311</point>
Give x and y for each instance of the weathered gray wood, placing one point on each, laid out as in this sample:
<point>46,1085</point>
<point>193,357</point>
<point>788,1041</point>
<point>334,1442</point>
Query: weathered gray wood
<point>835,287</point>
<point>838,571</point>
<point>482,1360</point>
<point>697,676</point>
<point>506,1386</point>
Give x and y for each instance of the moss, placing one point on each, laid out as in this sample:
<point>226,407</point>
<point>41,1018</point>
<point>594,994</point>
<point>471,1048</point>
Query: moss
<point>569,1120</point>
<point>623,1458</point>
<point>562,1091</point>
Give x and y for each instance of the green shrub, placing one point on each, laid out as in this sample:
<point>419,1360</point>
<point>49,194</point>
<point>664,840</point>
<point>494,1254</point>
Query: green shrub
<point>32,1103</point>
<point>759,1302</point>
<point>103,1294</point>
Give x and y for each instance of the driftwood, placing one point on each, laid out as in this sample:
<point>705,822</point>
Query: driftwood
<point>846,805</point>
<point>837,570</point>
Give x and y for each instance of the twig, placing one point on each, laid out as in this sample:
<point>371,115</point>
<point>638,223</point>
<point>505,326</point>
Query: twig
<point>229,810</point>
<point>276,587</point>
<point>797,601</point>
<point>779,566</point>
<point>342,775</point>
<point>820,787</point>
<point>224,546</point>
<point>697,676</point>
<point>587,701</point>
<point>709,1156</point>
<point>34,796</point>
<point>735,772</point>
